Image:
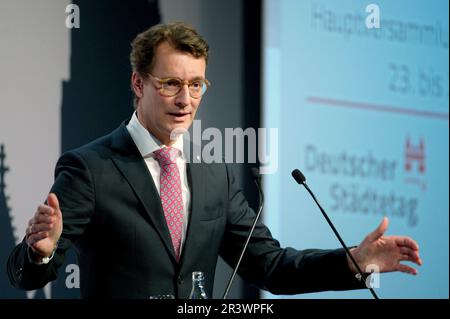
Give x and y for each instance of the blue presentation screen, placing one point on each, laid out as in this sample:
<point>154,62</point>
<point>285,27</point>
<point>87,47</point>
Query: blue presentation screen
<point>359,93</point>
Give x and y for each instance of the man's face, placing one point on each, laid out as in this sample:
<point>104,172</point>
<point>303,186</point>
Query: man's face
<point>159,114</point>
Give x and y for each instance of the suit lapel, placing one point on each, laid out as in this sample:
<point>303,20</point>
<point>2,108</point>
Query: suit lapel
<point>197,186</point>
<point>132,166</point>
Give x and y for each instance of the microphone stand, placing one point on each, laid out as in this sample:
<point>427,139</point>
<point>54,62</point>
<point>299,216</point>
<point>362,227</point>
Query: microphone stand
<point>300,178</point>
<point>257,179</point>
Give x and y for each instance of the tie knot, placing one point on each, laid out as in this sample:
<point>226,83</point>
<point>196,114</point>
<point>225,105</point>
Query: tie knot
<point>166,155</point>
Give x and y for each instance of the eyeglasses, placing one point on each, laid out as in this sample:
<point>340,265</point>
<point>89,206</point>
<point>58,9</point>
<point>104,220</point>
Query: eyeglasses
<point>172,86</point>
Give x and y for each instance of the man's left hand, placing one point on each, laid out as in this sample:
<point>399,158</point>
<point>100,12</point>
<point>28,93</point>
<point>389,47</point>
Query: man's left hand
<point>385,252</point>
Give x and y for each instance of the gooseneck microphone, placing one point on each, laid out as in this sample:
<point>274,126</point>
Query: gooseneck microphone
<point>257,179</point>
<point>300,178</point>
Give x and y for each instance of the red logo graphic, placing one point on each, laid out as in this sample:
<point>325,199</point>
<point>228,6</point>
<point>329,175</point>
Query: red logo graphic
<point>415,163</point>
<point>415,154</point>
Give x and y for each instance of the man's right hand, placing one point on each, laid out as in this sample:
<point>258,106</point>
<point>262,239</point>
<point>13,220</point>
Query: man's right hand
<point>45,228</point>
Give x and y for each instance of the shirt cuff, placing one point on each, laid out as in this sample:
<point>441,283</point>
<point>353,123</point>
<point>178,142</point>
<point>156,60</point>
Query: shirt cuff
<point>44,260</point>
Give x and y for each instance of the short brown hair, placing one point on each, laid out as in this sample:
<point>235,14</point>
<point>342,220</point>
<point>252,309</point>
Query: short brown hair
<point>181,36</point>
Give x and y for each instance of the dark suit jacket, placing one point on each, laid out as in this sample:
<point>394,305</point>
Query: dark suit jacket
<point>113,216</point>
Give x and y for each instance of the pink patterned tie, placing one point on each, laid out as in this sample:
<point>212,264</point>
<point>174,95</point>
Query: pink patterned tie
<point>170,193</point>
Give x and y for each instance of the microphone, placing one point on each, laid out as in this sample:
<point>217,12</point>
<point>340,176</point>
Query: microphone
<point>300,178</point>
<point>257,179</point>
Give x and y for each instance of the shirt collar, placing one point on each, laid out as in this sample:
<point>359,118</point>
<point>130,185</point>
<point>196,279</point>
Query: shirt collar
<point>146,142</point>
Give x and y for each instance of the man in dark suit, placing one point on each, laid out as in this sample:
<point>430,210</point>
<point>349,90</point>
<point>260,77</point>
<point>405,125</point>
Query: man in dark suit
<point>143,217</point>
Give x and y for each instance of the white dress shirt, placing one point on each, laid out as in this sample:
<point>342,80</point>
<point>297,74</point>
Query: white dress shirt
<point>147,144</point>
